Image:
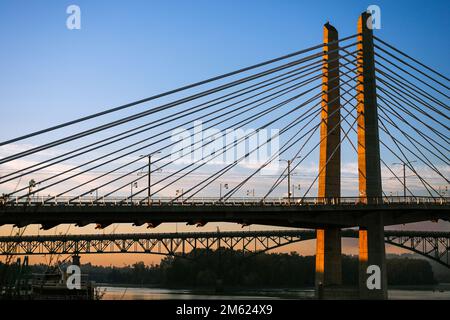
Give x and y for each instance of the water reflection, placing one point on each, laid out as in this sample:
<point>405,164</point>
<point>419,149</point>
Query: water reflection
<point>121,293</point>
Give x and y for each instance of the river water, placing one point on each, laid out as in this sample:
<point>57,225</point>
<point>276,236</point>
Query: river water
<point>122,293</point>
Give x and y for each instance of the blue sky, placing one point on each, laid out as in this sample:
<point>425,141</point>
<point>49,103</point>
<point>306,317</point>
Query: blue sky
<point>127,50</point>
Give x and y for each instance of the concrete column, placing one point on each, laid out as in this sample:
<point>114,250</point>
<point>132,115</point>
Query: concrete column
<point>328,240</point>
<point>328,257</point>
<point>371,236</point>
<point>372,252</point>
<point>368,139</point>
<point>330,151</point>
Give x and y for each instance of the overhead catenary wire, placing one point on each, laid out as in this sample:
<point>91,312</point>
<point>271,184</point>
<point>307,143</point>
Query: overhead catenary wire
<point>144,147</point>
<point>271,96</point>
<point>405,159</point>
<point>390,97</point>
<point>180,170</point>
<point>397,95</point>
<point>282,176</point>
<point>384,106</point>
<point>411,58</point>
<point>428,163</point>
<point>278,181</point>
<point>146,129</point>
<point>410,94</point>
<point>285,147</point>
<point>229,74</point>
<point>65,179</point>
<point>227,147</point>
<point>201,161</point>
<point>159,122</point>
<point>220,172</point>
<point>410,166</point>
<point>151,111</point>
<point>411,75</point>
<point>394,76</point>
<point>381,160</point>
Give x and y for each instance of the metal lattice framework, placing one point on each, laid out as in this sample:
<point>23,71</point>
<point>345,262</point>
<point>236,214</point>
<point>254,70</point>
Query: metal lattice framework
<point>433,245</point>
<point>177,244</point>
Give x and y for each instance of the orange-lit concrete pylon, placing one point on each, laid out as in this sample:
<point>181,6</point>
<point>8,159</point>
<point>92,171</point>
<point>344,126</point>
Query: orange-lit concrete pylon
<point>328,240</point>
<point>371,235</point>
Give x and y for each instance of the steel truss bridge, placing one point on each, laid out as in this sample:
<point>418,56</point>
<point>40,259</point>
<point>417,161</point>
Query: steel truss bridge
<point>433,245</point>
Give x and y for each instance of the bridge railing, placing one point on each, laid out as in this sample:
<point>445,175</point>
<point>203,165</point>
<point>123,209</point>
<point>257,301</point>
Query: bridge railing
<point>215,201</point>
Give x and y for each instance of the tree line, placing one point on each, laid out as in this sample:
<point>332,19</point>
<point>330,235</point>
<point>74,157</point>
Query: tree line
<point>204,268</point>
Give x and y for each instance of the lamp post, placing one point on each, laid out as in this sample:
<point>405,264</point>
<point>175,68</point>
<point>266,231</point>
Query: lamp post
<point>403,163</point>
<point>289,176</point>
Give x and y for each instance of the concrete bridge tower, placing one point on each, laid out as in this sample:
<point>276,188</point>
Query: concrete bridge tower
<point>371,233</point>
<point>371,244</point>
<point>328,239</point>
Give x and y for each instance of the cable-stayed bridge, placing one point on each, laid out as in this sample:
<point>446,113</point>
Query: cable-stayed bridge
<point>211,151</point>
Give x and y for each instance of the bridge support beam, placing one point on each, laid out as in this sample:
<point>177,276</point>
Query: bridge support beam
<point>328,258</point>
<point>371,238</point>
<point>328,240</point>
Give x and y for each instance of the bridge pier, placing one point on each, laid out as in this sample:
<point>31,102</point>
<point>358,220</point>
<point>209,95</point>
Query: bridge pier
<point>372,282</point>
<point>371,237</point>
<point>328,239</point>
<point>328,258</point>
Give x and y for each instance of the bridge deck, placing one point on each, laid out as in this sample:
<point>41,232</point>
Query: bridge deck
<point>297,214</point>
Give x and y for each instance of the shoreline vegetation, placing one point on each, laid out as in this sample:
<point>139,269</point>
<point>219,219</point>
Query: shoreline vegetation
<point>228,270</point>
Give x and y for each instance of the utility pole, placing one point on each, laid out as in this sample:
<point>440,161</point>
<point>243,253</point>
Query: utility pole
<point>289,179</point>
<point>289,176</point>
<point>149,193</point>
<point>403,163</point>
